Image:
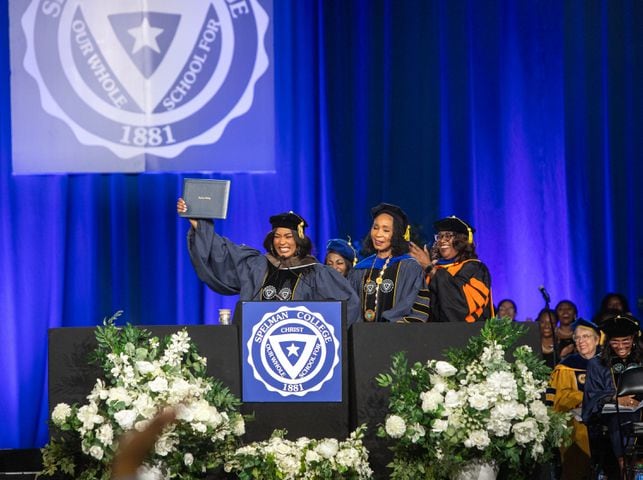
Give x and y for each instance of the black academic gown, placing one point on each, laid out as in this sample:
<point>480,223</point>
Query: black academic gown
<point>599,390</point>
<point>232,269</point>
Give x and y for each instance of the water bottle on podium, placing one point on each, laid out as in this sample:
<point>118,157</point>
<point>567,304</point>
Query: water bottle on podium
<point>224,316</point>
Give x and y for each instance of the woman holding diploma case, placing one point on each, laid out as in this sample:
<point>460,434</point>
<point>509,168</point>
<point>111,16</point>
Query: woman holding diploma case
<point>286,272</point>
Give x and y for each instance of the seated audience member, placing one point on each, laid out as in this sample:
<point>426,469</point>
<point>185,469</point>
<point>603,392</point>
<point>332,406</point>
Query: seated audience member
<point>459,284</point>
<point>614,301</point>
<point>565,394</point>
<point>389,279</point>
<point>621,351</point>
<point>340,255</point>
<point>135,446</point>
<point>566,312</point>
<point>547,322</point>
<point>507,308</point>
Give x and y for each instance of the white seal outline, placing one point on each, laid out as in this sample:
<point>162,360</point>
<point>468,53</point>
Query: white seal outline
<point>210,136</point>
<point>318,316</point>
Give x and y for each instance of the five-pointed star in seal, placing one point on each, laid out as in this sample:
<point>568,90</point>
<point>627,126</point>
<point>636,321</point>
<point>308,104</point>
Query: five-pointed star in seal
<point>293,350</point>
<point>145,36</point>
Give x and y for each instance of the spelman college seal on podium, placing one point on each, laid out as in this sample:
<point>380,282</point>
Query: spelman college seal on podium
<point>292,353</point>
<point>146,81</point>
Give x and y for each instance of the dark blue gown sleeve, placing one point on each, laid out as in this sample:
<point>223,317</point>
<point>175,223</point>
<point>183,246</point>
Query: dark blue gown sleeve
<point>331,285</point>
<point>599,389</point>
<point>221,264</point>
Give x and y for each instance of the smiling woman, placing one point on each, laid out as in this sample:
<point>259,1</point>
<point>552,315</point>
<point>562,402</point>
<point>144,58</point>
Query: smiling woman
<point>458,283</point>
<point>286,272</point>
<point>388,280</point>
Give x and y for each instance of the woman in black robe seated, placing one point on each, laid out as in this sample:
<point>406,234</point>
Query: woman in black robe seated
<point>603,372</point>
<point>287,272</point>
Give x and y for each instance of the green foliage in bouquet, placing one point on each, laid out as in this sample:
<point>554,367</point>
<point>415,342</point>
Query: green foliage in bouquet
<point>304,458</point>
<point>485,404</point>
<point>143,374</point>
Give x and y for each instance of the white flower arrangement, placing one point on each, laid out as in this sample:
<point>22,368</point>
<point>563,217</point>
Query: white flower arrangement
<point>143,374</point>
<point>302,459</point>
<point>478,406</point>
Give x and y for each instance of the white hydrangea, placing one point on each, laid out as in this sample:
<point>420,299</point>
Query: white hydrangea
<point>395,426</point>
<point>61,413</point>
<point>504,384</point>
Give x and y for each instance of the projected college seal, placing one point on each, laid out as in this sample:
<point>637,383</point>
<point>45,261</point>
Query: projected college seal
<point>146,81</point>
<point>293,351</point>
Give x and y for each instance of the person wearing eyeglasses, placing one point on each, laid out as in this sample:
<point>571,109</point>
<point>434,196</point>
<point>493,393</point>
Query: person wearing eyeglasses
<point>565,394</point>
<point>621,351</point>
<point>458,284</point>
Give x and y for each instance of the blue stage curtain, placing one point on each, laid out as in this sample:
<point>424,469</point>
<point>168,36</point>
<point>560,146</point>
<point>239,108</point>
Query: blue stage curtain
<point>524,118</point>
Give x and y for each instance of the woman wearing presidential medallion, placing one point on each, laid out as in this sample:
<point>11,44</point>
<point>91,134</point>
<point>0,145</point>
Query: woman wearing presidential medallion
<point>388,280</point>
<point>287,272</point>
<point>458,283</point>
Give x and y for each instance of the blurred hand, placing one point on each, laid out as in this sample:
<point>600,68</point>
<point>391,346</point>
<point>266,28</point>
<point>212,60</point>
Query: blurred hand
<point>135,446</point>
<point>182,207</point>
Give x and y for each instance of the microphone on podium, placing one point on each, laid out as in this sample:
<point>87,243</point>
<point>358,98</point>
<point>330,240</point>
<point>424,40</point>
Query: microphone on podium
<point>544,293</point>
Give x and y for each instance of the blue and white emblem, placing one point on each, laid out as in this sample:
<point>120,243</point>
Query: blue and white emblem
<point>152,80</point>
<point>294,351</point>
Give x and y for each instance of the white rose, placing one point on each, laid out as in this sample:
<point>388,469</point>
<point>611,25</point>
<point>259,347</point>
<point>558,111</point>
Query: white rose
<point>188,459</point>
<point>440,425</point>
<point>431,400</point>
<point>477,438</point>
<point>478,401</point>
<point>96,452</point>
<point>395,426</point>
<point>445,369</point>
<point>125,418</point>
<point>61,413</point>
<point>525,432</point>
<point>312,456</point>
<point>328,447</point>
